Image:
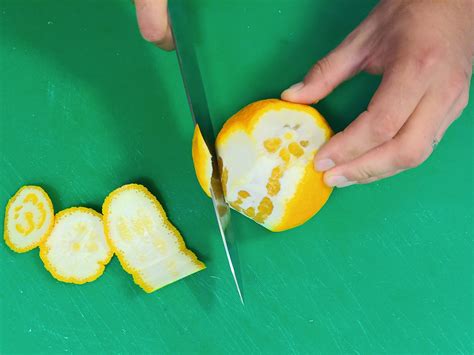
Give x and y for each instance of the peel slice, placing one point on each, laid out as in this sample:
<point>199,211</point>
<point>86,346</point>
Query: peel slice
<point>29,218</point>
<point>148,246</point>
<point>76,251</point>
<point>202,161</point>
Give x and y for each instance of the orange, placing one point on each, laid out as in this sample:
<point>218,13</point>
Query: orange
<point>265,153</point>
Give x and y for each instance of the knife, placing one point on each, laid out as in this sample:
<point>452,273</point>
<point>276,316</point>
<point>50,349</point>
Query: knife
<point>197,101</point>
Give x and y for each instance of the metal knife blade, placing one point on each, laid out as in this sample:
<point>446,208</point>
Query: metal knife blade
<point>197,101</point>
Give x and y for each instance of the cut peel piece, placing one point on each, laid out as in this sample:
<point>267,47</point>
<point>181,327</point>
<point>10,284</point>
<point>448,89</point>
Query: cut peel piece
<point>265,154</point>
<point>202,160</point>
<point>147,245</point>
<point>29,218</point>
<point>76,251</point>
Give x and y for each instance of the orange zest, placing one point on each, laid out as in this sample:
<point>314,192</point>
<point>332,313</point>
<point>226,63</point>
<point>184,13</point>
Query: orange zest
<point>202,161</point>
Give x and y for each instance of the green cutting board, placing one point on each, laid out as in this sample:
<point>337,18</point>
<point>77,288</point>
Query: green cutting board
<point>87,105</point>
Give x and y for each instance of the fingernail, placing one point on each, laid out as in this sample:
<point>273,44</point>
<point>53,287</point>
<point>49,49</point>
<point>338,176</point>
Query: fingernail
<point>324,164</point>
<point>293,88</point>
<point>347,183</point>
<point>338,181</point>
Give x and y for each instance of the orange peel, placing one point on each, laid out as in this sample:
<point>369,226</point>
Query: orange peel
<point>147,245</point>
<point>265,153</point>
<point>202,161</point>
<point>76,251</point>
<point>29,218</point>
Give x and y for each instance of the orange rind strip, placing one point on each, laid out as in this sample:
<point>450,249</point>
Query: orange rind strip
<point>202,160</point>
<point>147,245</point>
<point>29,218</point>
<point>76,251</point>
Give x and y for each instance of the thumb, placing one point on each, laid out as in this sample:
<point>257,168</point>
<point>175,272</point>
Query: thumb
<point>338,66</point>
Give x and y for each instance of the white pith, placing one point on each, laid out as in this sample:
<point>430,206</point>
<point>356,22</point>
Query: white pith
<point>77,246</point>
<point>150,247</point>
<point>250,165</point>
<point>17,217</point>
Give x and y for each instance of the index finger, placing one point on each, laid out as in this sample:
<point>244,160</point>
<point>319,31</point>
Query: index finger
<point>399,93</point>
<point>153,22</point>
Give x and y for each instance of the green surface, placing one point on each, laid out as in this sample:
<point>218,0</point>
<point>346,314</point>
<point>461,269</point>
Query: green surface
<point>87,105</point>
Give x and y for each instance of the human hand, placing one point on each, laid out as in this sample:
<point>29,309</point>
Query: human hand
<point>153,21</point>
<point>424,49</point>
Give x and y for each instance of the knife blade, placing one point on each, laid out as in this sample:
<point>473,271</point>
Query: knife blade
<point>197,101</point>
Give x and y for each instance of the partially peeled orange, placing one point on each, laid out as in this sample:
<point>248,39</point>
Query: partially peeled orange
<point>265,153</point>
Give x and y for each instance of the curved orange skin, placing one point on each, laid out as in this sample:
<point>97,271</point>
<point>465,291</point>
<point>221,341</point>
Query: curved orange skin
<point>247,117</point>
<point>306,202</point>
<point>201,157</point>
